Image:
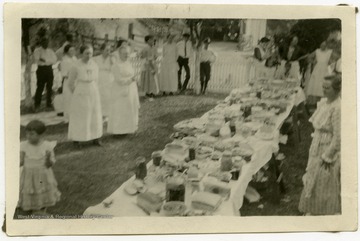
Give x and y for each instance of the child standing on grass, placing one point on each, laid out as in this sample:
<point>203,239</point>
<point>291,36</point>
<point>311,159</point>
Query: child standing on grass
<point>38,186</point>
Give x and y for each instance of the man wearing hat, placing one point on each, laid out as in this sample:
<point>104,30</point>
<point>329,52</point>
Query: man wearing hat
<point>184,51</point>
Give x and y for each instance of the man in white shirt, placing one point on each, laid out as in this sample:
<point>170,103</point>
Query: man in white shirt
<point>207,57</point>
<point>184,51</point>
<point>44,57</point>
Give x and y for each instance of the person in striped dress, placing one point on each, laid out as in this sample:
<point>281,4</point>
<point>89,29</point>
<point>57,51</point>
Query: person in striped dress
<point>321,193</point>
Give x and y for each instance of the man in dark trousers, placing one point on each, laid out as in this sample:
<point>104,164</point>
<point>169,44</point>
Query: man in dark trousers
<point>207,57</point>
<point>184,51</point>
<point>44,58</point>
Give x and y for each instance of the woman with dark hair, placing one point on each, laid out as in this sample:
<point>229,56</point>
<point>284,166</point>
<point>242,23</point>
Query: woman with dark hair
<point>261,54</point>
<point>85,112</point>
<point>104,62</point>
<point>321,193</point>
<point>149,70</point>
<point>292,53</point>
<point>68,61</point>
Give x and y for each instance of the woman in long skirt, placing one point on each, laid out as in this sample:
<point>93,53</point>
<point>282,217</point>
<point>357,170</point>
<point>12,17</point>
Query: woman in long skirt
<point>124,108</point>
<point>85,112</point>
<point>169,67</point>
<point>321,57</point>
<point>149,71</point>
<point>321,193</point>
<point>104,62</point>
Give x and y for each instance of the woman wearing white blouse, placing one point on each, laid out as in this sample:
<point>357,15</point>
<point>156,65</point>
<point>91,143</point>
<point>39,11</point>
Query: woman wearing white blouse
<point>85,112</point>
<point>124,108</point>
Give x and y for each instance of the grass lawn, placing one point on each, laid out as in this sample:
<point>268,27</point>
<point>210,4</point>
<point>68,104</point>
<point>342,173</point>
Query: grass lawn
<point>88,175</point>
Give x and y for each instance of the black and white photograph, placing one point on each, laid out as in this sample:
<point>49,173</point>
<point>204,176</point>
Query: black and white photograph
<point>180,118</point>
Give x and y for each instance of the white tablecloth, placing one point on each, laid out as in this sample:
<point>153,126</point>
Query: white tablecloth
<point>125,205</point>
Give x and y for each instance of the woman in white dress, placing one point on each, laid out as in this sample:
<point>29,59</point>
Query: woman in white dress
<point>85,122</point>
<point>68,61</point>
<point>168,82</point>
<point>104,62</point>
<point>321,59</point>
<point>124,109</point>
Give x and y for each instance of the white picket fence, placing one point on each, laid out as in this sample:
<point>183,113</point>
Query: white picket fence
<point>227,73</point>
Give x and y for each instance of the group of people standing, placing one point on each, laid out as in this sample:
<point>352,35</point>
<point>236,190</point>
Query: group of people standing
<point>166,77</point>
<point>105,87</point>
<point>93,89</point>
<point>290,61</point>
<point>322,189</point>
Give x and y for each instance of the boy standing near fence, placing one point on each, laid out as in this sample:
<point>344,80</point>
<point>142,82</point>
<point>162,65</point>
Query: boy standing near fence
<point>207,57</point>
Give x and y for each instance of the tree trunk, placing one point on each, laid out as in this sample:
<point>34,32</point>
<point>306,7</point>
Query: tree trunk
<point>197,71</point>
<point>28,102</point>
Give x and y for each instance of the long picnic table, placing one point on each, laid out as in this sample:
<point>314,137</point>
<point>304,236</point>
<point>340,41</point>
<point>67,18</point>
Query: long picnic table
<point>121,204</point>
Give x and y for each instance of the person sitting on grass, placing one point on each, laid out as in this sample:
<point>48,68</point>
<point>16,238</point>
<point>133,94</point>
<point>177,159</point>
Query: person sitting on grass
<point>38,186</point>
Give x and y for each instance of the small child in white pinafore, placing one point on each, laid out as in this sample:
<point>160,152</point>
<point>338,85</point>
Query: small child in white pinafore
<point>38,186</point>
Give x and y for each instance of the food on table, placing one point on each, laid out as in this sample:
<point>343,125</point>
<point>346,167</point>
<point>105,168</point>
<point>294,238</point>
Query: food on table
<point>156,157</point>
<point>244,150</point>
<point>206,201</point>
<point>253,125</point>
<point>265,135</point>
<point>213,129</point>
<point>131,189</point>
<point>228,143</point>
<point>174,208</point>
<point>226,161</point>
<point>175,189</point>
<point>175,152</point>
<point>213,185</point>
<point>219,146</point>
<point>256,109</point>
<point>216,155</point>
<point>225,131</point>
<point>190,141</point>
<point>191,126</point>
<point>149,202</point>
<point>207,140</point>
<point>221,176</point>
<point>237,139</point>
<point>203,152</point>
<point>193,172</point>
<point>140,169</point>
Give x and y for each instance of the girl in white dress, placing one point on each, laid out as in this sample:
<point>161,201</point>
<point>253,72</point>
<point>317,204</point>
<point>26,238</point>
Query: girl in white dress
<point>321,58</point>
<point>85,112</point>
<point>38,186</point>
<point>104,62</point>
<point>68,61</point>
<point>124,108</point>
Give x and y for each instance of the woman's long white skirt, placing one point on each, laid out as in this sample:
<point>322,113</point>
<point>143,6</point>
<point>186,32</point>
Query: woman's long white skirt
<point>124,109</point>
<point>85,121</point>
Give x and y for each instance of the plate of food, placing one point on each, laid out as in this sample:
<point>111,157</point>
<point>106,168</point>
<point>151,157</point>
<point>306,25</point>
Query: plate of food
<point>173,208</point>
<point>264,135</point>
<point>135,187</point>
